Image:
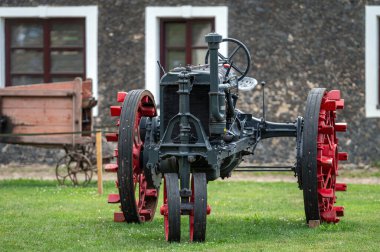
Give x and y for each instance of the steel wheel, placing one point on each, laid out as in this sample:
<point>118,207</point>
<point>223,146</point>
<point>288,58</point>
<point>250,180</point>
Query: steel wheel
<point>199,213</point>
<point>241,69</point>
<point>172,208</point>
<point>321,156</point>
<point>61,170</point>
<point>138,199</point>
<point>79,169</point>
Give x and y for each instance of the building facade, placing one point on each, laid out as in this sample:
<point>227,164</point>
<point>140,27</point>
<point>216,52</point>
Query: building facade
<point>294,45</point>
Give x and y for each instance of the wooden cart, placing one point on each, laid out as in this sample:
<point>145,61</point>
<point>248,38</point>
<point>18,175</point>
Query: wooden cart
<point>52,115</point>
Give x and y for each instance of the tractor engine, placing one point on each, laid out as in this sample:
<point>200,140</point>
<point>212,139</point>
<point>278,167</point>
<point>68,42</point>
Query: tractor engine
<point>199,99</point>
<point>210,95</point>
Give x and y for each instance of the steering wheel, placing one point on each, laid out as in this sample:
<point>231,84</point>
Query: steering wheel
<point>241,71</point>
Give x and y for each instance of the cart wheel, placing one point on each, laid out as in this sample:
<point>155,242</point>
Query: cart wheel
<point>62,169</point>
<point>79,169</point>
<point>199,213</point>
<point>89,151</point>
<point>137,205</point>
<point>320,156</point>
<point>172,208</point>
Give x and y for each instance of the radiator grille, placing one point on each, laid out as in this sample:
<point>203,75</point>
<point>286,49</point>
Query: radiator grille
<point>199,103</point>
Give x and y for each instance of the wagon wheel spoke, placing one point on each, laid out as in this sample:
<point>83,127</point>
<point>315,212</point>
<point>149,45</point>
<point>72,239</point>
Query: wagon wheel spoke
<point>61,170</point>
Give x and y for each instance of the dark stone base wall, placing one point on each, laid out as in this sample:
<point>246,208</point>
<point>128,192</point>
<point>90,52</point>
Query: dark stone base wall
<point>295,46</point>
<point>21,154</point>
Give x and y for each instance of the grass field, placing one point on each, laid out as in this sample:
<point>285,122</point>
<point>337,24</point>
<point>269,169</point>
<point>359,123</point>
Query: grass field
<point>246,216</point>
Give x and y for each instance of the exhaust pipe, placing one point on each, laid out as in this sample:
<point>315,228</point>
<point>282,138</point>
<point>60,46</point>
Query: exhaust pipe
<point>217,118</point>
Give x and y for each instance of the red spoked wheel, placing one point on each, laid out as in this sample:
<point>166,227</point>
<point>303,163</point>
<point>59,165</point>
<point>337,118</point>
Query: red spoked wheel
<point>198,215</point>
<point>320,157</point>
<point>137,197</point>
<point>171,209</point>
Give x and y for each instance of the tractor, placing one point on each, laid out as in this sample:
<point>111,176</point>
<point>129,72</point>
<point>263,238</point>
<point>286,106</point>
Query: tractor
<point>199,135</point>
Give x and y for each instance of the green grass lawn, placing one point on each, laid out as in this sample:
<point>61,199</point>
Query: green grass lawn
<point>246,216</point>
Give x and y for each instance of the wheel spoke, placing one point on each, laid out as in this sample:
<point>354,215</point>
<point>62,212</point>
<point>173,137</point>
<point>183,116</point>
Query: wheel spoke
<point>237,69</point>
<point>330,143</point>
<point>327,179</point>
<point>136,139</point>
<point>221,56</point>
<point>62,169</point>
<point>234,52</point>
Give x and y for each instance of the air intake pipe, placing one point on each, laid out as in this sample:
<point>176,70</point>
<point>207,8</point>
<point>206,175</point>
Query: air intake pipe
<point>217,106</point>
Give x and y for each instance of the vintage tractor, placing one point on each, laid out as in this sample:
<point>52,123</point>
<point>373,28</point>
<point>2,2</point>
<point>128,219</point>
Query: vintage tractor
<point>200,136</point>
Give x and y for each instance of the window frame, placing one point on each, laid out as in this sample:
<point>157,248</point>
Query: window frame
<point>46,48</point>
<point>372,56</point>
<point>188,41</point>
<point>153,14</point>
<point>89,12</point>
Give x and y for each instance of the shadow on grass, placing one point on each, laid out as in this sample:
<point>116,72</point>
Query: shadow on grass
<point>233,229</point>
<point>28,183</point>
<point>269,228</point>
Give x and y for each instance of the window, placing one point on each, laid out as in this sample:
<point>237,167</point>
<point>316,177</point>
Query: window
<point>88,13</point>
<point>183,42</point>
<point>44,50</point>
<point>372,59</point>
<point>153,17</point>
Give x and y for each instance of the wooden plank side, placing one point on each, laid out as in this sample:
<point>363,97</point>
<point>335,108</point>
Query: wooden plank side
<point>10,102</point>
<point>38,116</point>
<point>30,129</point>
<point>22,93</point>
<point>41,140</point>
<point>45,108</point>
<point>68,85</point>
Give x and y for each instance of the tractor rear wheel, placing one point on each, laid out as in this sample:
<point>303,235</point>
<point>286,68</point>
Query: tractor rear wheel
<point>199,213</point>
<point>138,198</point>
<point>320,157</point>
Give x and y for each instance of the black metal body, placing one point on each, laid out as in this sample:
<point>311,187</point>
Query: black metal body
<point>200,129</point>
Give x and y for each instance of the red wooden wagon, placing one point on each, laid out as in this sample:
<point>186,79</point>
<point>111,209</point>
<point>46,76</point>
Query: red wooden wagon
<point>52,115</point>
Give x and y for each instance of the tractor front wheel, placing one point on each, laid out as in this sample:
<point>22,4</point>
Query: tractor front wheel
<point>199,213</point>
<point>172,208</point>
